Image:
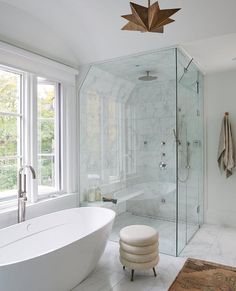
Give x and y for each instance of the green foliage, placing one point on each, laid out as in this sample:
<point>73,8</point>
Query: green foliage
<point>9,141</point>
<point>9,96</point>
<point>8,175</point>
<point>9,91</point>
<point>46,172</point>
<point>46,129</point>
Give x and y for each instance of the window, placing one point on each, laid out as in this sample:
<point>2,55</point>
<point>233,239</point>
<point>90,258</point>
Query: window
<point>48,121</point>
<point>10,132</point>
<point>18,108</point>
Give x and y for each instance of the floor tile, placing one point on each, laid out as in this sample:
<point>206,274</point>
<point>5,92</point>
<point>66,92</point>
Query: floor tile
<point>100,280</point>
<point>212,243</point>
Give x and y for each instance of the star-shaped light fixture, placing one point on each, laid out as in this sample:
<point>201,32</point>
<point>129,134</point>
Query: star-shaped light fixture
<point>148,19</point>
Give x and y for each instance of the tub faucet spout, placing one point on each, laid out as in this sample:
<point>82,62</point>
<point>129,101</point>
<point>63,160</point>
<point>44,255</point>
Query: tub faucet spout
<point>22,192</point>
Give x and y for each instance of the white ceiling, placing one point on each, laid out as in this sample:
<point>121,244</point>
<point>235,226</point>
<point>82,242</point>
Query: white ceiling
<point>214,54</point>
<point>76,32</point>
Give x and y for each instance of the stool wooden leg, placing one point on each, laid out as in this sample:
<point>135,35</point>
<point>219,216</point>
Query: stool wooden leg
<point>123,267</point>
<point>132,275</point>
<point>154,271</point>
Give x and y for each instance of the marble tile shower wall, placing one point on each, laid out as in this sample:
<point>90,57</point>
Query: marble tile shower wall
<point>102,101</point>
<point>155,119</point>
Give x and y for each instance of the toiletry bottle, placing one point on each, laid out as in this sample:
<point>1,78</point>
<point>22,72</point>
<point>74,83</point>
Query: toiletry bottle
<point>85,195</point>
<point>98,194</point>
<point>91,194</point>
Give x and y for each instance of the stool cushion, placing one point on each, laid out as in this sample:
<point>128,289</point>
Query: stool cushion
<point>138,250</point>
<point>139,266</point>
<point>138,258</point>
<point>138,235</point>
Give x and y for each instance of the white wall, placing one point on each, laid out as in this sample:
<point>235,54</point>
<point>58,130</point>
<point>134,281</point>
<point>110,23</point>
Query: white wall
<point>220,193</point>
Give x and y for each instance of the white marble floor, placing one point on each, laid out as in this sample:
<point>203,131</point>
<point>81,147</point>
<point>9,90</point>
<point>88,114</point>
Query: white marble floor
<point>166,230</point>
<point>213,243</point>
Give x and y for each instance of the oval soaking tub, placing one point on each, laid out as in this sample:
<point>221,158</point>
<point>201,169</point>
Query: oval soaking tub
<point>54,252</point>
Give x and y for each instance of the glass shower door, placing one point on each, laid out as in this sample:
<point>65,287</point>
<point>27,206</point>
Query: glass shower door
<point>190,149</point>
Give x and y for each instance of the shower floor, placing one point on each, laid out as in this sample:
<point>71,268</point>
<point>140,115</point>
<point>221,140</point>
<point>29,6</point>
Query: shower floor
<point>166,230</point>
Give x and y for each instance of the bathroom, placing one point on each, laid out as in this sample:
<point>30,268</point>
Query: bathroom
<point>102,129</point>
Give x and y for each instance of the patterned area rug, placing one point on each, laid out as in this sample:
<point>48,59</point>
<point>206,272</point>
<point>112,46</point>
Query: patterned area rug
<point>205,276</point>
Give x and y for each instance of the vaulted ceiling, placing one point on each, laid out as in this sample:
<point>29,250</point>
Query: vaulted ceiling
<point>76,32</point>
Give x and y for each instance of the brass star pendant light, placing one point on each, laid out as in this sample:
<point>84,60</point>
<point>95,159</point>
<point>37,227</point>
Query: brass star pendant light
<point>148,19</point>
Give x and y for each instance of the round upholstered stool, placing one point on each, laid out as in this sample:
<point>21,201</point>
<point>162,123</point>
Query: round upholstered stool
<point>139,248</point>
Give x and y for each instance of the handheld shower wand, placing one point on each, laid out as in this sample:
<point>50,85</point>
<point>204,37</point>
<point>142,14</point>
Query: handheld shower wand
<point>176,137</point>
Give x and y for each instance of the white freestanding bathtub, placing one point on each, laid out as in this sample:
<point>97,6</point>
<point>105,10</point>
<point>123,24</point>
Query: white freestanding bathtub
<point>54,252</point>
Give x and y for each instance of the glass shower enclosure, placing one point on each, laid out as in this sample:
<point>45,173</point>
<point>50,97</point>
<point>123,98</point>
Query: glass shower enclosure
<point>141,144</point>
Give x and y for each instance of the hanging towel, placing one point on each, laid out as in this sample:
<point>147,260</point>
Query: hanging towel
<point>226,148</point>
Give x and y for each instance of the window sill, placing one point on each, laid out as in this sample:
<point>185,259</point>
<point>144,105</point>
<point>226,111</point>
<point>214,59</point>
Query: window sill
<point>51,199</point>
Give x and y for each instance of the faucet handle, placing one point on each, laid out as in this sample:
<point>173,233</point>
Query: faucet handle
<point>163,165</point>
<point>23,198</point>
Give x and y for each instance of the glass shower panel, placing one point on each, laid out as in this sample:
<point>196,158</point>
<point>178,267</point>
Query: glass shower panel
<point>190,143</point>
<point>102,146</point>
<point>141,144</point>
<point>182,147</point>
<point>150,148</point>
<point>201,148</point>
<point>128,149</point>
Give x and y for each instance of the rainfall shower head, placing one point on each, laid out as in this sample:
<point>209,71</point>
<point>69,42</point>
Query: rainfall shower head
<point>147,77</point>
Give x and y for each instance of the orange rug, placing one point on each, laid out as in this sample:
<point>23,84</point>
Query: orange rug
<point>205,276</point>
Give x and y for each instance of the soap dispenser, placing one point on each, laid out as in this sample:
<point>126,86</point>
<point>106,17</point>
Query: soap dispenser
<point>91,194</point>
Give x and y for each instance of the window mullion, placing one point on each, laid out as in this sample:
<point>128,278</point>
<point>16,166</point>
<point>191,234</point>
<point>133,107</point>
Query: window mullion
<point>63,145</point>
<point>20,125</point>
<point>30,133</point>
<point>10,114</point>
<point>57,147</point>
<point>34,135</point>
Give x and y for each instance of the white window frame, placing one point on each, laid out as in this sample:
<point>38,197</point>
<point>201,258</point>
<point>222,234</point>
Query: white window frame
<point>58,142</point>
<point>11,201</point>
<point>32,65</point>
<point>33,110</point>
<point>29,137</point>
